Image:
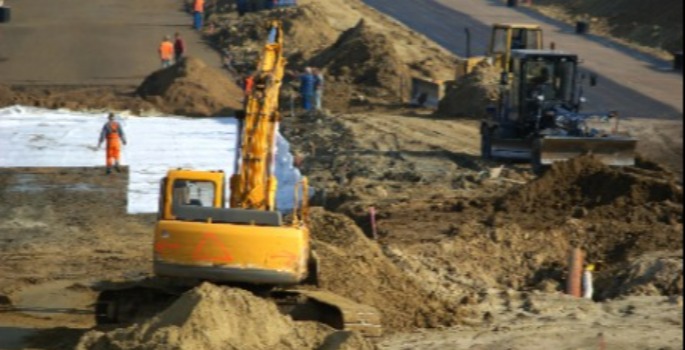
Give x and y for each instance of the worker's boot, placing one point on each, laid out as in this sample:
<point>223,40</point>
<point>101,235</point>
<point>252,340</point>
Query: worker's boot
<point>108,171</point>
<point>116,167</point>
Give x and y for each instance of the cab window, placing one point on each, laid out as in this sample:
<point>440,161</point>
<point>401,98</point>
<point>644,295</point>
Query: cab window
<point>193,193</point>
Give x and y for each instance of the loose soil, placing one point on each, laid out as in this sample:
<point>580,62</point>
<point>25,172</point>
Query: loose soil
<point>458,242</point>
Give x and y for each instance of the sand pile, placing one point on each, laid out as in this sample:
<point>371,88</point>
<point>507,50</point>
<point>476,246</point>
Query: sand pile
<point>654,273</point>
<point>245,36</point>
<point>192,88</point>
<point>583,187</point>
<point>365,56</point>
<point>614,215</point>
<point>355,267</point>
<point>472,94</point>
<point>367,59</point>
<point>213,317</point>
<point>635,20</point>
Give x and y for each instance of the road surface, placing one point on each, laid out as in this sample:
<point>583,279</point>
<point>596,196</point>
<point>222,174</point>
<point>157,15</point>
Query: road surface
<point>632,83</point>
<point>101,42</point>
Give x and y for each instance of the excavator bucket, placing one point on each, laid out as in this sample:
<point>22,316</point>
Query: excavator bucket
<point>613,150</point>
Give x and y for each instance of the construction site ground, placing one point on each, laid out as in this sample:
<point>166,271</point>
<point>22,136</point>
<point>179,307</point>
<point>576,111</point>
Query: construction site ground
<point>466,253</point>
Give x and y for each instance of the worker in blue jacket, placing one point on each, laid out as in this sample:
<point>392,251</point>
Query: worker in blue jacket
<point>307,86</point>
<point>241,6</point>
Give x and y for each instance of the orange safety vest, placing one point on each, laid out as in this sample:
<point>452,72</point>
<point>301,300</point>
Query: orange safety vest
<point>199,6</point>
<point>249,84</point>
<point>113,131</point>
<point>166,50</point>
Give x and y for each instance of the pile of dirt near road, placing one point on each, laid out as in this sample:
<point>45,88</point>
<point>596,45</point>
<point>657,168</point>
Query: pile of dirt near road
<point>657,25</point>
<point>355,267</point>
<point>244,37</point>
<point>213,317</point>
<point>472,94</point>
<point>191,88</point>
<point>365,58</point>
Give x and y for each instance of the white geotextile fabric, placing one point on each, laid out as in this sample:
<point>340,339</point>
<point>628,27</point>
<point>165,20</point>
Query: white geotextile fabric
<point>35,137</point>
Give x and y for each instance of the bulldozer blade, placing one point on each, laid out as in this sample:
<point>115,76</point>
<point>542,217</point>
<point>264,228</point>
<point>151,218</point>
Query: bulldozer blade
<point>513,149</point>
<point>614,151</point>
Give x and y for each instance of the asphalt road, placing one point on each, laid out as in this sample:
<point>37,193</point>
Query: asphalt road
<point>100,42</point>
<point>632,83</point>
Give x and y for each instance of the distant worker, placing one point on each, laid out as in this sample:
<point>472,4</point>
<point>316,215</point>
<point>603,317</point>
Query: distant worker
<point>113,133</point>
<point>307,81</point>
<point>248,86</point>
<point>166,51</point>
<point>179,48</point>
<point>241,7</point>
<point>318,88</point>
<point>198,13</point>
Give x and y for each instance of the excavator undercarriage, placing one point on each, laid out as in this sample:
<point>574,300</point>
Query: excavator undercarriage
<point>128,302</point>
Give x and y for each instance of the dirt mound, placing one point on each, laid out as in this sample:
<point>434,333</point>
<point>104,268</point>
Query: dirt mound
<point>657,25</point>
<point>365,57</point>
<point>192,88</point>
<point>247,34</point>
<point>585,188</point>
<point>655,273</point>
<point>355,267</point>
<point>368,63</point>
<point>213,317</point>
<point>76,98</point>
<point>472,94</point>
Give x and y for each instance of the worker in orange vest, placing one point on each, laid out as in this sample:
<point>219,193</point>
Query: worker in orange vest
<point>166,51</point>
<point>198,13</point>
<point>113,133</point>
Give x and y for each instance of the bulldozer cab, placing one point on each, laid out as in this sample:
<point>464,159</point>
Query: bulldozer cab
<point>508,37</point>
<point>541,79</point>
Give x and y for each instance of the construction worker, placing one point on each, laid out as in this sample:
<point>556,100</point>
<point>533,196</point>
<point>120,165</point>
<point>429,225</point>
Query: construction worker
<point>586,281</point>
<point>307,81</point>
<point>179,47</point>
<point>198,13</point>
<point>113,133</point>
<point>318,88</point>
<point>241,6</point>
<point>166,51</point>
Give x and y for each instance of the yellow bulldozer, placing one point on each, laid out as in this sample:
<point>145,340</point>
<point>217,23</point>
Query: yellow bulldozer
<point>504,37</point>
<point>248,244</point>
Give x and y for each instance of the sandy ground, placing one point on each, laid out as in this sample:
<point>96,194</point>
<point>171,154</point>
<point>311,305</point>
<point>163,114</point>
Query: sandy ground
<point>469,254</point>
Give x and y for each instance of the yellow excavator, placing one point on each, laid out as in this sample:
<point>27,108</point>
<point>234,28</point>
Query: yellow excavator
<point>249,244</point>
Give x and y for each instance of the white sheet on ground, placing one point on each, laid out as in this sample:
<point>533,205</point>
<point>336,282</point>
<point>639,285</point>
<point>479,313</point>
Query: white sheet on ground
<point>34,137</point>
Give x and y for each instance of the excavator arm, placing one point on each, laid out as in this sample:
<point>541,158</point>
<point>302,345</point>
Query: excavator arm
<point>254,184</point>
